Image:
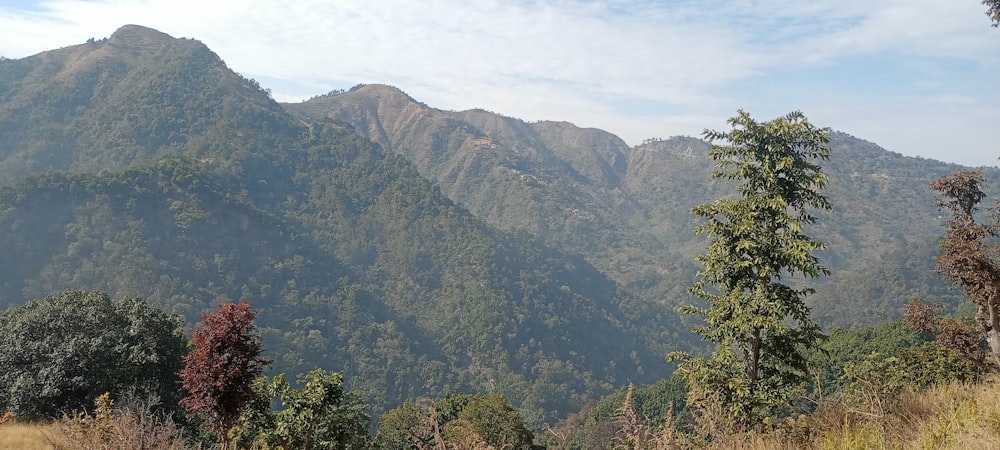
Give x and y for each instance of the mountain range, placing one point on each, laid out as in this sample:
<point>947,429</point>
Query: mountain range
<point>627,209</point>
<point>420,251</point>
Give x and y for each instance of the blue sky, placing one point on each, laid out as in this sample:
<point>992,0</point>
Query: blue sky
<point>918,77</point>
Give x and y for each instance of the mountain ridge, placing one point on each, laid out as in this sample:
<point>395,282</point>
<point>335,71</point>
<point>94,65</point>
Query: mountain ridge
<point>170,177</point>
<point>559,182</point>
<point>421,251</point>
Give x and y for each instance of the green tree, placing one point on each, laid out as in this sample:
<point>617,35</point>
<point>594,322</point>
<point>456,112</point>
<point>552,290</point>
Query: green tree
<point>219,372</point>
<point>492,420</point>
<point>457,421</point>
<point>993,11</point>
<point>406,427</point>
<point>759,324</point>
<point>59,354</point>
<point>965,255</point>
<point>320,415</point>
<point>845,346</point>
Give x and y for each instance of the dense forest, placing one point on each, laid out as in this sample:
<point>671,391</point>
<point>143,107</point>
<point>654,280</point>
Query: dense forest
<point>356,262</point>
<point>434,269</point>
<point>627,209</point>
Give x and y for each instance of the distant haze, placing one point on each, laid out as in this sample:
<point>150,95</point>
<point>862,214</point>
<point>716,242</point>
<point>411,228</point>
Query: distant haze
<point>916,76</point>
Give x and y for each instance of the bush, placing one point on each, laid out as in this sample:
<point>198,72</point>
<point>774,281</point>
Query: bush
<point>60,353</point>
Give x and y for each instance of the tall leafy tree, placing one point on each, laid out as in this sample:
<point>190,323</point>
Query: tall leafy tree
<point>966,255</point>
<point>759,323</point>
<point>59,354</point>
<point>219,372</point>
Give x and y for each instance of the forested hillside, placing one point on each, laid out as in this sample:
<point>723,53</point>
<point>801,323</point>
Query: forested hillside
<point>181,182</point>
<point>627,209</point>
<point>419,251</point>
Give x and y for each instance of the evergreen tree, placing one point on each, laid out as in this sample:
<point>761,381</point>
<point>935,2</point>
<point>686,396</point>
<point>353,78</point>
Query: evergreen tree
<point>759,323</point>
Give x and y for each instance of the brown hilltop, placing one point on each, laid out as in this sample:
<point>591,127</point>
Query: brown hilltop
<point>396,121</point>
<point>125,46</point>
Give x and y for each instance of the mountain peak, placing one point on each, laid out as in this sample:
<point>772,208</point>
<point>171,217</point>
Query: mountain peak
<point>385,91</point>
<point>133,32</point>
<point>138,37</point>
<point>126,45</point>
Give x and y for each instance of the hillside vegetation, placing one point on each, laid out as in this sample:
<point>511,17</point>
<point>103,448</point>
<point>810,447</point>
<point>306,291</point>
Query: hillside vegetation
<point>356,262</point>
<point>425,254</point>
<point>627,209</point>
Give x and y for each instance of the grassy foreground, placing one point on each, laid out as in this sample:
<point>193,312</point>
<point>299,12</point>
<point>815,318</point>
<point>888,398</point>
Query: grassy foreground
<point>15,435</point>
<point>131,427</point>
<point>953,416</point>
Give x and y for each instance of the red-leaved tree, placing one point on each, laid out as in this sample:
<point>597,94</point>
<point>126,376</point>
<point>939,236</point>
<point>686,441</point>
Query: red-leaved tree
<point>218,374</point>
<point>968,254</point>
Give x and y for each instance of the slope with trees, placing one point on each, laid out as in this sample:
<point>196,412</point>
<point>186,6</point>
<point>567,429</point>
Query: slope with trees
<point>627,209</point>
<point>355,262</point>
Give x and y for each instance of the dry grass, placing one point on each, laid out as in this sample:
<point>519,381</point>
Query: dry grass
<point>131,426</point>
<point>30,436</point>
<point>64,435</point>
<point>955,416</point>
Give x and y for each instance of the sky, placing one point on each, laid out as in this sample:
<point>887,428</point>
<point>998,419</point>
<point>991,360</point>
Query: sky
<point>918,77</point>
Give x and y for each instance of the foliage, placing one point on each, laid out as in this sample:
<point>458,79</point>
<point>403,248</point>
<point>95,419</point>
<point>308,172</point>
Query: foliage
<point>319,416</point>
<point>405,427</point>
<point>627,210</point>
<point>183,183</point>
<point>653,402</point>
<point>993,11</point>
<point>844,347</point>
<point>492,419</point>
<point>132,423</point>
<point>760,326</point>
<point>874,291</point>
<point>459,420</point>
<point>878,366</point>
<point>218,373</point>
<point>876,383</point>
<point>966,255</point>
<point>958,335</point>
<point>338,278</point>
<point>60,353</point>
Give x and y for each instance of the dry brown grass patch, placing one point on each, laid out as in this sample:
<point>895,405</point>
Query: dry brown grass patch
<point>30,436</point>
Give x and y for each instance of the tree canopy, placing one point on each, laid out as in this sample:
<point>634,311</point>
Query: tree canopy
<point>321,415</point>
<point>219,372</point>
<point>966,255</point>
<point>760,324</point>
<point>59,354</point>
<point>993,11</point>
<point>457,421</point>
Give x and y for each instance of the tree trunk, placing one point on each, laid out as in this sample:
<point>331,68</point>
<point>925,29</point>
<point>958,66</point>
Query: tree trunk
<point>993,331</point>
<point>753,359</point>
